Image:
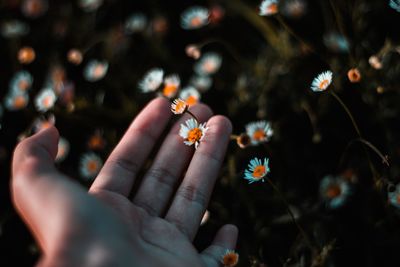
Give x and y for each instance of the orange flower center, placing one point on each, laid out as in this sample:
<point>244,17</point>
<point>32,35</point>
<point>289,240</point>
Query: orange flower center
<point>259,172</point>
<point>98,71</point>
<point>196,22</point>
<point>96,142</point>
<point>230,259</point>
<point>323,84</point>
<point>272,8</point>
<point>46,101</point>
<point>23,85</point>
<point>191,100</point>
<point>170,90</point>
<point>180,106</point>
<point>209,66</point>
<point>92,166</point>
<point>333,191</point>
<point>194,135</point>
<point>398,199</point>
<point>19,102</point>
<point>259,135</point>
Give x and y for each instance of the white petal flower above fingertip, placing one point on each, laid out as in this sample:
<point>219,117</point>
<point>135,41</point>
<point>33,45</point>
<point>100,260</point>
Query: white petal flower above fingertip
<point>194,18</point>
<point>179,106</point>
<point>190,95</point>
<point>45,100</point>
<point>322,81</point>
<point>90,165</point>
<point>151,80</point>
<point>171,85</point>
<point>257,170</point>
<point>192,132</point>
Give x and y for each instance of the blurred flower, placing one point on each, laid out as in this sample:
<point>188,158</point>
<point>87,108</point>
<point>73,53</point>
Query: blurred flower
<point>14,28</point>
<point>151,80</point>
<point>171,85</point>
<point>95,70</point>
<point>205,217</point>
<point>194,18</point>
<point>193,51</point>
<point>90,5</point>
<point>259,132</point>
<point>90,165</point>
<point>45,99</point>
<point>208,64</point>
<point>294,8</point>
<point>26,55</point>
<point>96,141</point>
<point>243,140</point>
<point>394,196</point>
<point>42,123</point>
<point>375,62</point>
<point>201,82</point>
<point>193,132</point>
<point>257,170</point>
<point>159,25</point>
<point>395,4</point>
<point>334,190</point>
<point>190,95</point>
<point>322,81</point>
<point>135,23</point>
<point>21,82</point>
<point>34,8</point>
<point>230,258</point>
<point>217,13</point>
<point>179,106</point>
<point>336,42</point>
<point>354,75</point>
<point>63,149</point>
<point>268,7</point>
<point>16,101</point>
<point>75,56</point>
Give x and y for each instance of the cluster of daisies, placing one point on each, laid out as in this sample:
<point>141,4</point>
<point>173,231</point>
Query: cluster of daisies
<point>290,8</point>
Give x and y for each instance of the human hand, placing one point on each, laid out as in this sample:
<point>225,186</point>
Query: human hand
<point>106,228</point>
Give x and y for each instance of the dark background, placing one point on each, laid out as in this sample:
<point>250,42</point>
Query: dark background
<point>258,80</point>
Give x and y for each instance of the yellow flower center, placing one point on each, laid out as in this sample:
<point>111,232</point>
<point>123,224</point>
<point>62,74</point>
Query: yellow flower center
<point>169,90</point>
<point>230,259</point>
<point>259,172</point>
<point>180,106</point>
<point>194,135</point>
<point>323,84</point>
<point>333,191</point>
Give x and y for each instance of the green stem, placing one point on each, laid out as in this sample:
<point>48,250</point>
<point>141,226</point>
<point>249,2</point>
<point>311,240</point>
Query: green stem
<point>301,230</point>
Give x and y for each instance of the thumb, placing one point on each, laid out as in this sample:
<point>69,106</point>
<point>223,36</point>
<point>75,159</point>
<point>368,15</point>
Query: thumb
<point>40,193</point>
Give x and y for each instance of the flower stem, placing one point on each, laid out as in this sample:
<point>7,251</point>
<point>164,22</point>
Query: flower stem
<point>301,230</point>
<point>191,114</point>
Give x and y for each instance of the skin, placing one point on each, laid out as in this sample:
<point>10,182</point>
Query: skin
<point>105,227</point>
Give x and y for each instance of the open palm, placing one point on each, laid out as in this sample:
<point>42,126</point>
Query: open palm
<point>107,228</point>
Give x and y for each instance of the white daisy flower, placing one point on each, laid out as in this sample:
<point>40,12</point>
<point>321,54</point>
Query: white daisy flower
<point>90,165</point>
<point>322,81</point>
<point>336,42</point>
<point>171,85</point>
<point>95,70</point>
<point>257,170</point>
<point>21,82</point>
<point>90,5</point>
<point>14,28</point>
<point>334,190</point>
<point>152,80</point>
<point>63,149</point>
<point>230,258</point>
<point>16,101</point>
<point>193,132</point>
<point>259,132</point>
<point>135,23</point>
<point>268,7</point>
<point>394,197</point>
<point>179,106</point>
<point>45,100</point>
<point>208,64</point>
<point>395,4</point>
<point>190,95</point>
<point>201,82</point>
<point>194,18</point>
